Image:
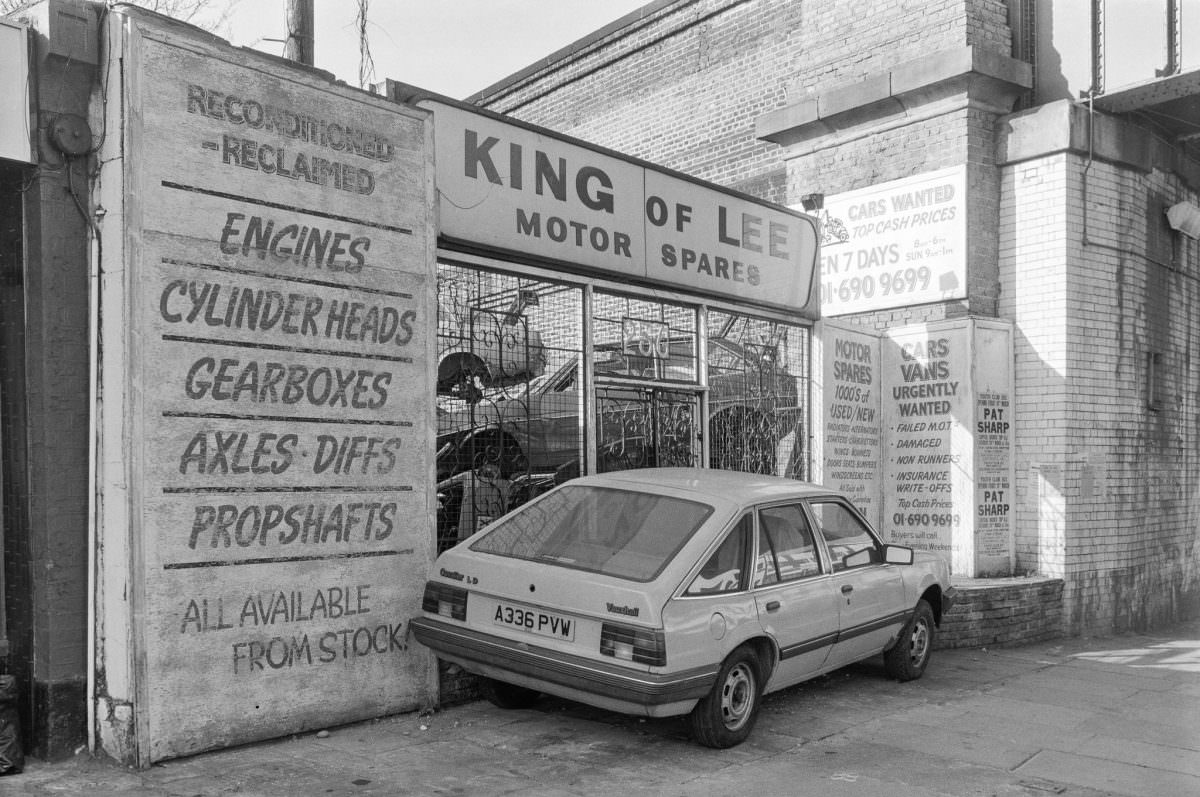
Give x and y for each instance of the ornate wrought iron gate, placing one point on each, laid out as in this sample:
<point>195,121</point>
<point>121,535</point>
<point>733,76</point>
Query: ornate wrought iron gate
<point>646,427</point>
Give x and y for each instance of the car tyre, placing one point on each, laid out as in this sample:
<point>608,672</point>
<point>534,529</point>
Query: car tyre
<point>726,715</point>
<point>908,658</point>
<point>508,695</point>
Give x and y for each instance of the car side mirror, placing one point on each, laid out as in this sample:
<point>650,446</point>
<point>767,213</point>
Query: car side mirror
<point>897,555</point>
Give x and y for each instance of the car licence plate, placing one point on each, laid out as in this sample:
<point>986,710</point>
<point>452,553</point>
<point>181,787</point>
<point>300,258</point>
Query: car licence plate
<point>535,621</point>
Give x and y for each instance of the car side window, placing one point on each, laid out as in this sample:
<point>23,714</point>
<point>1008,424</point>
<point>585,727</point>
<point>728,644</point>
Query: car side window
<point>725,570</point>
<point>844,533</point>
<point>785,546</point>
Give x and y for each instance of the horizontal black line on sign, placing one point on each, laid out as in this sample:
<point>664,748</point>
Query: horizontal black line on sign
<point>274,560</point>
<point>247,272</point>
<point>281,206</point>
<point>243,344</point>
<point>354,488</point>
<point>234,416</point>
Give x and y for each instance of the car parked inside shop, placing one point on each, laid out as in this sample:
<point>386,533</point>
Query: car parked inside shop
<point>679,592</point>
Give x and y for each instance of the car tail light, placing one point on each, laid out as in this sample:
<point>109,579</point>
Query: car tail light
<point>445,600</point>
<point>643,645</point>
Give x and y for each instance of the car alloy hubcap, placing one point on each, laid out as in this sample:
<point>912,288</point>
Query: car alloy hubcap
<point>919,644</point>
<point>737,696</point>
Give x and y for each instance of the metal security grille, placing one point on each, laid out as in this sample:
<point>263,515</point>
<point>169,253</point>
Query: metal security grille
<point>510,385</point>
<point>641,349</point>
<point>758,376</point>
<point>646,428</point>
<point>509,401</point>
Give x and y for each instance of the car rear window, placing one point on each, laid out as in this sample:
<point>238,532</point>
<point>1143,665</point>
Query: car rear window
<point>622,533</point>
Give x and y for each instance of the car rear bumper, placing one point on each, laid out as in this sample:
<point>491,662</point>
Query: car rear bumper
<point>598,683</point>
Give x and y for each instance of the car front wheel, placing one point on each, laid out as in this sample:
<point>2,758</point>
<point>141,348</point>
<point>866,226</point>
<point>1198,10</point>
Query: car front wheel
<point>907,659</point>
<point>726,715</point>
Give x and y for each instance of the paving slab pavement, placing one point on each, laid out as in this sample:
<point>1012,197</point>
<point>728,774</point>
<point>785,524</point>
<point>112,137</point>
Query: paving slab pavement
<point>1099,717</point>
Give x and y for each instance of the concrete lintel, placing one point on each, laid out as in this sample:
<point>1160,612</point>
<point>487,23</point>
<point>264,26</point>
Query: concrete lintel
<point>948,65</point>
<point>869,91</point>
<point>1069,126</point>
<point>986,78</point>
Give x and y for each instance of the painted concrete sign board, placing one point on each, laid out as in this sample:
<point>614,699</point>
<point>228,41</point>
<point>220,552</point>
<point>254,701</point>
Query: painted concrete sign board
<point>948,459</point>
<point>517,189</point>
<point>895,244</point>
<point>16,141</point>
<point>851,437</point>
<point>279,256</point>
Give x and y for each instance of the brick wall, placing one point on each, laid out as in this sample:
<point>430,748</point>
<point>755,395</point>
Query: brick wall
<point>1033,252</point>
<point>683,85</point>
<point>1108,490</point>
<point>1008,612</point>
<point>1132,476</point>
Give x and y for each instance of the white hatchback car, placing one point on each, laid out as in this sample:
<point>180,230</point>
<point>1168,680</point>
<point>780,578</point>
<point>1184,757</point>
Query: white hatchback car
<point>679,591</point>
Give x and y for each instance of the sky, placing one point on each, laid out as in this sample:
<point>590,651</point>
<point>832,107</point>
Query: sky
<point>453,47</point>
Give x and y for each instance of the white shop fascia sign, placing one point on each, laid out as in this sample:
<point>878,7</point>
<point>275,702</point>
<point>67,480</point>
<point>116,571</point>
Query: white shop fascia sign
<point>521,190</point>
<point>895,244</point>
<point>16,142</point>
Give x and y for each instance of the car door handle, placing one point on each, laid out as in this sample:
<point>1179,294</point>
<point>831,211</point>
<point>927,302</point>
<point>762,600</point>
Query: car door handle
<point>772,606</point>
<point>847,589</point>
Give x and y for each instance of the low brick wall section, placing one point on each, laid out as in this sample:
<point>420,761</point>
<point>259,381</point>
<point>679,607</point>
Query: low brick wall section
<point>1003,611</point>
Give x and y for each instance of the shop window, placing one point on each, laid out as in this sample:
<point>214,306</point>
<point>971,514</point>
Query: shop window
<point>647,383</point>
<point>511,390</point>
<point>643,339</point>
<point>509,404</point>
<point>758,385</point>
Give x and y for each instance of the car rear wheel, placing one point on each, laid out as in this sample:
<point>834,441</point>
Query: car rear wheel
<point>726,715</point>
<point>507,695</point>
<point>907,659</point>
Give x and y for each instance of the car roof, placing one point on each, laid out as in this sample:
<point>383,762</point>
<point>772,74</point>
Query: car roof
<point>708,484</point>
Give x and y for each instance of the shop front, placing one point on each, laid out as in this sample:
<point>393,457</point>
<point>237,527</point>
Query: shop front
<point>315,336</point>
<point>596,313</point>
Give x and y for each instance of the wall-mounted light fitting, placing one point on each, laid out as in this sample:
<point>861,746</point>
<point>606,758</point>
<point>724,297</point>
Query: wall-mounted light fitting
<point>1185,217</point>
